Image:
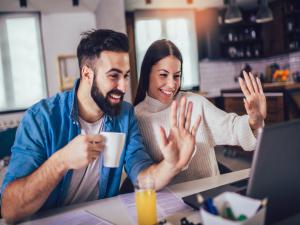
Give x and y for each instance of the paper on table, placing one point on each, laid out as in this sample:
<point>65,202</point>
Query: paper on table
<point>78,217</point>
<point>167,204</point>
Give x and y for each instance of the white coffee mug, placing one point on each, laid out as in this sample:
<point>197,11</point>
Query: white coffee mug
<point>114,144</point>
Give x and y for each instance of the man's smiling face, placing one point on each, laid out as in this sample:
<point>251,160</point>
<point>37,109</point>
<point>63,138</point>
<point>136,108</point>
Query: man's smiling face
<point>112,70</point>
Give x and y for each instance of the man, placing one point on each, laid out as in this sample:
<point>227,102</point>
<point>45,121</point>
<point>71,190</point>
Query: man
<point>53,165</point>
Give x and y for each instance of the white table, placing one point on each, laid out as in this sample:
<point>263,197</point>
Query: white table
<point>112,210</point>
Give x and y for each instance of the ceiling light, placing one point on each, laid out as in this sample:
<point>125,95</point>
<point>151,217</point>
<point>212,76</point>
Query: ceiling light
<point>233,13</point>
<point>264,13</point>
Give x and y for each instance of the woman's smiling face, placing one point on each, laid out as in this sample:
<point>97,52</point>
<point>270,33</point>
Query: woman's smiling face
<point>165,79</point>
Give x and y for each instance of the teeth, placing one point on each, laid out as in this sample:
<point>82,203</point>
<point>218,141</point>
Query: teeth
<point>115,96</point>
<point>167,92</point>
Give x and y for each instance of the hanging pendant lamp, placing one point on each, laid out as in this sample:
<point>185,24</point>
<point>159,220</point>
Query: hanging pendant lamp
<point>233,13</point>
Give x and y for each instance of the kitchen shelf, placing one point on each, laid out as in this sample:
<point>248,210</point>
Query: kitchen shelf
<point>238,39</point>
<point>293,14</point>
<point>254,41</point>
<point>295,32</point>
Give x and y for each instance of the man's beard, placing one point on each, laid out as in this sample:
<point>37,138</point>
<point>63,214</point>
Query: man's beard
<point>104,103</point>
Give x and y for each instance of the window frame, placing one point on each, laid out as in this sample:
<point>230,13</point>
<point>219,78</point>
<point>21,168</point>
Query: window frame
<point>37,15</point>
<point>163,15</point>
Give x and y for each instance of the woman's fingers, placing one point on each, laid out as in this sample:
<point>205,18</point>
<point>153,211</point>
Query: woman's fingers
<point>261,91</point>
<point>244,88</point>
<point>196,126</point>
<point>247,106</point>
<point>254,83</point>
<point>248,82</point>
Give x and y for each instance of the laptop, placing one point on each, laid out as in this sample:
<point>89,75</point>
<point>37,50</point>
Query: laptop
<point>275,173</point>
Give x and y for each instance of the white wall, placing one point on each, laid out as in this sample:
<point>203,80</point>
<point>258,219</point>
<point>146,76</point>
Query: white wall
<point>218,75</point>
<point>61,35</point>
<point>110,14</point>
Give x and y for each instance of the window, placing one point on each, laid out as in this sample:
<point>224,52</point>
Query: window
<point>22,72</point>
<point>177,26</point>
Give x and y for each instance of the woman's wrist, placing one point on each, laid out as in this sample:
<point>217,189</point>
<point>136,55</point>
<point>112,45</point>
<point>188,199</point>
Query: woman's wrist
<point>256,124</point>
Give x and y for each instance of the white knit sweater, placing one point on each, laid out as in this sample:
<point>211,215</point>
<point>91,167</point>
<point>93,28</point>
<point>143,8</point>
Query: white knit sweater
<point>217,128</point>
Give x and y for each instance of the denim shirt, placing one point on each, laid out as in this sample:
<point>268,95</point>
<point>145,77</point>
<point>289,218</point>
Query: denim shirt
<point>51,124</point>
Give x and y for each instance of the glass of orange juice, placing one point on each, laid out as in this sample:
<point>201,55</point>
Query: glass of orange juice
<point>145,200</point>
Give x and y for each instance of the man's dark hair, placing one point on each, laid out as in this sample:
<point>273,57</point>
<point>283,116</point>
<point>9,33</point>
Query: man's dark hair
<point>157,51</point>
<point>95,41</point>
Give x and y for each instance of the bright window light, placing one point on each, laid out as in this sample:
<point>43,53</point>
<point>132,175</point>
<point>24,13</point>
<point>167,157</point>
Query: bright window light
<point>176,26</point>
<point>21,61</point>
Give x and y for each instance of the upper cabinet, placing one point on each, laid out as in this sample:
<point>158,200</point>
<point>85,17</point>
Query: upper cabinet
<point>291,11</point>
<point>208,33</point>
<point>240,40</point>
<point>273,32</point>
<point>248,39</point>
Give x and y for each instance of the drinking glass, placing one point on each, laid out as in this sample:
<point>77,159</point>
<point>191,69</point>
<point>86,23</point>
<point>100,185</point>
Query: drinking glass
<point>145,199</point>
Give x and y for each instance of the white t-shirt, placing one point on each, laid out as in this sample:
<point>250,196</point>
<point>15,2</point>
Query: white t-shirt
<point>84,185</point>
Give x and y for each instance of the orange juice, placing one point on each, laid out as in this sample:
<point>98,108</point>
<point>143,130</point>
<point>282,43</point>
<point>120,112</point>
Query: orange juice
<point>145,200</point>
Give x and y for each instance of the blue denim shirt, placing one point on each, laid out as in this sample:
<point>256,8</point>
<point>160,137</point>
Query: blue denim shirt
<point>51,124</point>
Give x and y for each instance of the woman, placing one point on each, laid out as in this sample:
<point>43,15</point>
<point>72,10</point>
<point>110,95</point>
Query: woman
<point>159,85</point>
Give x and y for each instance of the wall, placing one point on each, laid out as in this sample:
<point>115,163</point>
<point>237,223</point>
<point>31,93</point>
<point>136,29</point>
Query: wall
<point>61,35</point>
<point>218,75</point>
<point>110,14</point>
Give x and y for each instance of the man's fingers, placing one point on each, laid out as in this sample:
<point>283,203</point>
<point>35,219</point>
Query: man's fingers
<point>93,155</point>
<point>173,117</point>
<point>196,126</point>
<point>182,112</point>
<point>95,138</point>
<point>188,116</point>
<point>163,137</point>
<point>98,147</point>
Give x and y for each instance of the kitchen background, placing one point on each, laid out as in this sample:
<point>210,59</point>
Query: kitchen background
<point>218,39</point>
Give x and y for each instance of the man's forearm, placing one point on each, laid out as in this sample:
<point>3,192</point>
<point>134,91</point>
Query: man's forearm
<point>25,196</point>
<point>162,173</point>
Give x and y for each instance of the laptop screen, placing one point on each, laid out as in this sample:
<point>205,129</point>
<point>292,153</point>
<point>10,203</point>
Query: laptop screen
<point>275,173</point>
<point>275,170</point>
